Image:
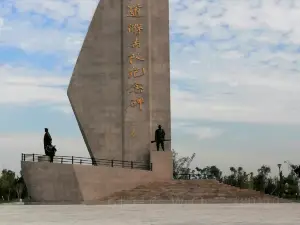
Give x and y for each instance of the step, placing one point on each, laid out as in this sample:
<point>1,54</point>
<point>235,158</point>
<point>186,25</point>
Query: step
<point>208,190</point>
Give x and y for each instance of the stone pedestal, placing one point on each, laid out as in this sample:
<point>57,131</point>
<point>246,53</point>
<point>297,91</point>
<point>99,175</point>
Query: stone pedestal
<point>162,164</point>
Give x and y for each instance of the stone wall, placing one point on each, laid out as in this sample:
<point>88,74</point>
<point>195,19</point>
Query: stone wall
<point>53,182</point>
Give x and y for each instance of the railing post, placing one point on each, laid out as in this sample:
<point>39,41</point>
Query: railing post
<point>112,163</point>
<point>72,159</point>
<point>131,165</point>
<point>80,161</point>
<point>189,176</point>
<point>22,157</point>
<point>32,157</point>
<point>150,166</point>
<point>61,160</point>
<point>93,161</point>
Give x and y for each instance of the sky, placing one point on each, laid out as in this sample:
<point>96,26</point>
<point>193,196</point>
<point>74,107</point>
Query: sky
<point>235,83</point>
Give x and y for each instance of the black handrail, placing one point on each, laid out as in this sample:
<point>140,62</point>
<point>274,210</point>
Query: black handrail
<point>189,176</point>
<point>185,176</point>
<point>89,161</point>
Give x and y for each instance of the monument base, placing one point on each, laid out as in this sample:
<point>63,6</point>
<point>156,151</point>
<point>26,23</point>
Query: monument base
<point>56,182</point>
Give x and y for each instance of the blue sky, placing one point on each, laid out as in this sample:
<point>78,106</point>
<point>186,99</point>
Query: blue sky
<point>234,71</point>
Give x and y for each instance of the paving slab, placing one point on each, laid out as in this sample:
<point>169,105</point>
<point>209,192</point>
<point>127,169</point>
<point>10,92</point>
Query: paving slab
<point>152,214</point>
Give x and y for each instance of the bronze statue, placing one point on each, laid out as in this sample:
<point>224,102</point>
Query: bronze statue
<point>160,138</point>
<point>47,139</point>
<point>48,147</point>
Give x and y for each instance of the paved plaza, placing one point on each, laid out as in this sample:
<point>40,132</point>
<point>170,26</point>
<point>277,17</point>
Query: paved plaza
<point>206,214</point>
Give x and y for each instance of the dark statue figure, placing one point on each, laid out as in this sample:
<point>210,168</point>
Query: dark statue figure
<point>48,147</point>
<point>47,139</point>
<point>160,138</point>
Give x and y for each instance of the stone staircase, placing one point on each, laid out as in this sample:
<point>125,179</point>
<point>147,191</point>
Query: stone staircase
<point>190,191</point>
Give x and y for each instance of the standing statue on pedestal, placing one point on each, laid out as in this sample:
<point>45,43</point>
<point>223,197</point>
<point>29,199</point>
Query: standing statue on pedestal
<point>160,138</point>
<point>48,147</point>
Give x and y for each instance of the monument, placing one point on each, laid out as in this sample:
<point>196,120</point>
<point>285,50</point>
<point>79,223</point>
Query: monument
<point>120,87</point>
<point>120,93</point>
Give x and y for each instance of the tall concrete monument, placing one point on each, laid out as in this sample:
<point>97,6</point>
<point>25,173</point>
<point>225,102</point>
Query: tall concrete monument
<point>120,87</point>
<point>120,92</point>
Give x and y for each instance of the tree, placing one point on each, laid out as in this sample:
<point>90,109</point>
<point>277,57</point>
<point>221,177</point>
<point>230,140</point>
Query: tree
<point>260,181</point>
<point>271,186</point>
<point>209,172</point>
<point>250,182</point>
<point>232,178</point>
<point>19,187</point>
<point>241,177</point>
<point>7,181</point>
<point>181,165</point>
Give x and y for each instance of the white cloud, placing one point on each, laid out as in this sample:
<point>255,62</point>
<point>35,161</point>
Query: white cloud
<point>65,108</point>
<point>195,62</point>
<point>270,16</point>
<point>1,22</point>
<point>57,9</point>
<point>31,39</point>
<point>32,35</point>
<point>199,132</point>
<point>236,89</point>
<point>232,55</point>
<point>21,85</point>
<point>241,104</point>
<point>202,133</point>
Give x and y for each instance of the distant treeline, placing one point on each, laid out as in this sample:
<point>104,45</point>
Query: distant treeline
<point>280,185</point>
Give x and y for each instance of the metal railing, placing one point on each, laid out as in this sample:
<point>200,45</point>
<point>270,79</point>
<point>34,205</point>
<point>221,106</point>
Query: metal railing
<point>187,176</point>
<point>88,161</point>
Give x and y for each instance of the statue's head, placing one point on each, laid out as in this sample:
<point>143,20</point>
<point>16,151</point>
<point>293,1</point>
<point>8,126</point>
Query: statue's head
<point>159,126</point>
<point>46,129</point>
